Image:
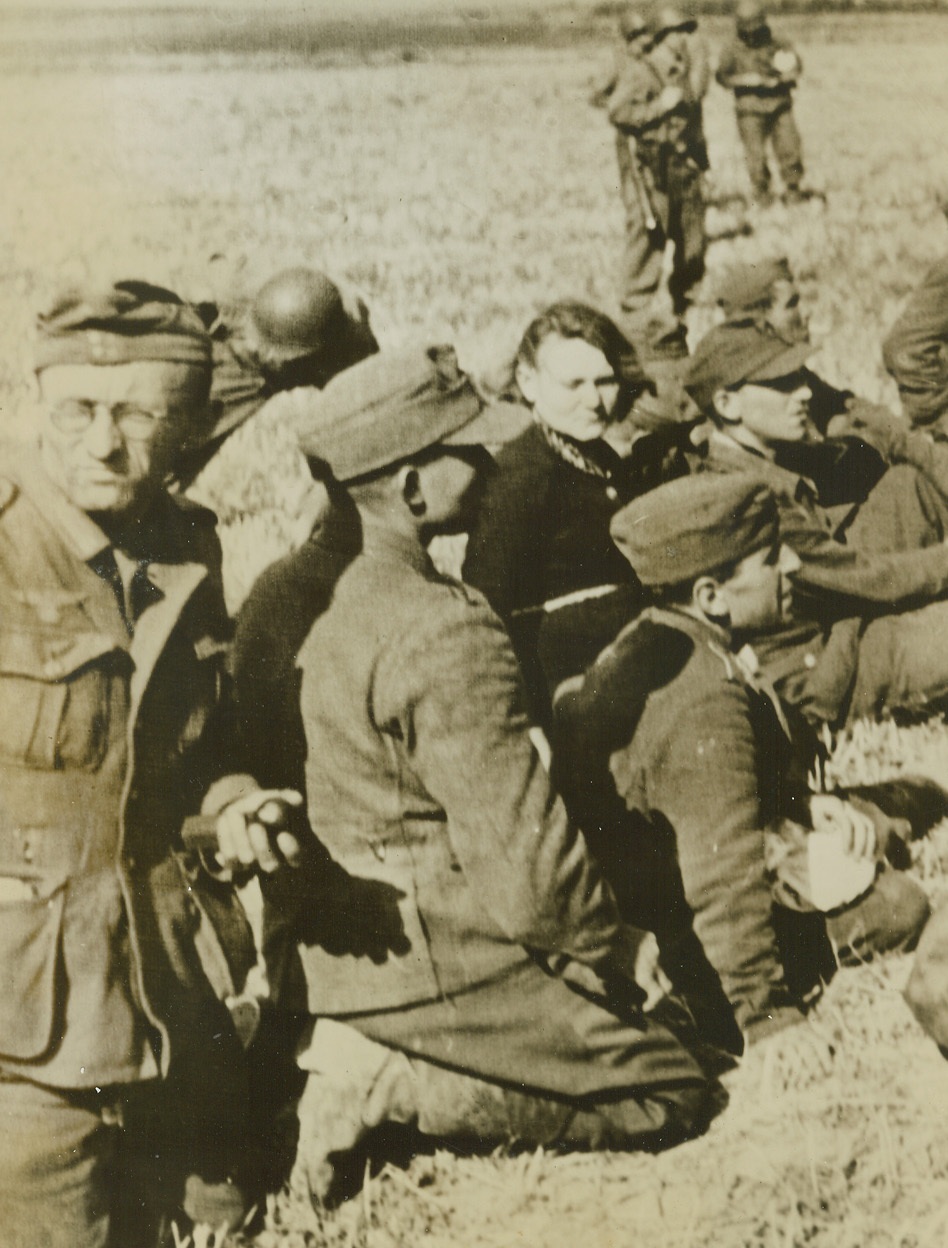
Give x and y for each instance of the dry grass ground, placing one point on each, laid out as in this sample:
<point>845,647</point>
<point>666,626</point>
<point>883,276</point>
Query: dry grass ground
<point>460,190</point>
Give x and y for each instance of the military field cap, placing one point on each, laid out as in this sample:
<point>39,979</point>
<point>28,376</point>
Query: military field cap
<point>389,407</point>
<point>749,285</point>
<point>733,354</point>
<point>667,17</point>
<point>120,324</point>
<point>296,310</point>
<point>693,525</point>
<point>749,15</point>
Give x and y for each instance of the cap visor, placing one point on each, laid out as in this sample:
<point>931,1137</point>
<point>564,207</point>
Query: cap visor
<point>787,362</point>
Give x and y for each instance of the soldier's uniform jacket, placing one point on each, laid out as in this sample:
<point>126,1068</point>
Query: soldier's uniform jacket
<point>660,133</point>
<point>771,96</point>
<point>105,746</point>
<point>916,351</point>
<point>455,858</point>
<point>712,759</point>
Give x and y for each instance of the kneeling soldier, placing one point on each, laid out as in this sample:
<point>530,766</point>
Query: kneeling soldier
<point>462,909</point>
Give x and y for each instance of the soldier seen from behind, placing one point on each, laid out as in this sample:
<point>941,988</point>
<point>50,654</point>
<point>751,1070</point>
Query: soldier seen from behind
<point>916,352</point>
<point>461,967</point>
<point>300,329</point>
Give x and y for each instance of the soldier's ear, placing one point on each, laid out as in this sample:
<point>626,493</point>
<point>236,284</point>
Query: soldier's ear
<point>411,490</point>
<point>707,600</point>
<point>727,404</point>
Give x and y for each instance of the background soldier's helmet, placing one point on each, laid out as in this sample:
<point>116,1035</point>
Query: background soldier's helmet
<point>632,23</point>
<point>295,311</point>
<point>749,15</point>
<point>664,18</point>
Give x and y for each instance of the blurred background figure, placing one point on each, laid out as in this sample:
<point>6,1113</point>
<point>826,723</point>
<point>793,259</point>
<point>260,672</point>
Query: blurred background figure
<point>654,102</point>
<point>764,294</point>
<point>300,329</point>
<point>762,72</point>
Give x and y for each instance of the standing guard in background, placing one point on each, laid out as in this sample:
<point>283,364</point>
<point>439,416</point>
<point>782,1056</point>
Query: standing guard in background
<point>762,72</point>
<point>300,329</point>
<point>122,1080</point>
<point>655,107</point>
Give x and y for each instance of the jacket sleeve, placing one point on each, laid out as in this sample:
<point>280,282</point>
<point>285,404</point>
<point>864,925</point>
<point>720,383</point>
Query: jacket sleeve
<point>863,582</point>
<point>916,349</point>
<point>856,581</point>
<point>636,104</point>
<point>703,779</point>
<point>455,700</point>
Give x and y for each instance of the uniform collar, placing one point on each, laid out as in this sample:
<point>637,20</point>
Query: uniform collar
<point>725,450</point>
<point>379,541</point>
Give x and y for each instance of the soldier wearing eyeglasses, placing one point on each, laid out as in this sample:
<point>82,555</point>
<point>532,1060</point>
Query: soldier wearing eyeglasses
<point>121,1085</point>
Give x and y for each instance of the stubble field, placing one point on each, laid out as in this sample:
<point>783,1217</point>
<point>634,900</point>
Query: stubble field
<point>459,190</point>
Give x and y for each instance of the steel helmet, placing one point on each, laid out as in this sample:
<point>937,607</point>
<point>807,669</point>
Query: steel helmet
<point>294,312</point>
<point>664,18</point>
<point>749,15</point>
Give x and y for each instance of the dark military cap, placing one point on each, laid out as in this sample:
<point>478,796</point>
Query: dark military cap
<point>120,324</point>
<point>694,525</point>
<point>733,354</point>
<point>750,285</point>
<point>390,407</point>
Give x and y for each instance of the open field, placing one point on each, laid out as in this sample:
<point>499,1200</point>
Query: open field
<point>460,189</point>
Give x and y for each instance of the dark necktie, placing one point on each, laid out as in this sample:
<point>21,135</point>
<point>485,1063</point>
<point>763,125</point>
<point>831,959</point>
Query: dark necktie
<point>141,591</point>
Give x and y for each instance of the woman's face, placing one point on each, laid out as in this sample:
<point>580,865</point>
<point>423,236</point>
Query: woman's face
<point>572,387</point>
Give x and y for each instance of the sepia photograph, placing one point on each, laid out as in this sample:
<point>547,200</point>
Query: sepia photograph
<point>474,624</point>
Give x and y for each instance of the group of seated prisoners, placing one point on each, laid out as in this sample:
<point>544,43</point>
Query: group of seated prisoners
<point>538,851</point>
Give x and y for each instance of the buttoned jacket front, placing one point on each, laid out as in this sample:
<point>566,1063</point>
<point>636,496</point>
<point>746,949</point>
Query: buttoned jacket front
<point>105,747</point>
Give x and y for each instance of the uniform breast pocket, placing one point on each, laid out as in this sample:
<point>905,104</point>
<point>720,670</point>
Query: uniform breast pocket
<point>54,699</point>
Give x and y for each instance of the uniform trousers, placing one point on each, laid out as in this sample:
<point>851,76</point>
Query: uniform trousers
<point>525,1059</point>
<point>113,1167</point>
<point>677,199</point>
<point>780,130</point>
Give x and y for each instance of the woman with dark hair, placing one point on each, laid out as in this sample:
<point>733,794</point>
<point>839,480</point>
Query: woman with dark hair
<point>540,550</point>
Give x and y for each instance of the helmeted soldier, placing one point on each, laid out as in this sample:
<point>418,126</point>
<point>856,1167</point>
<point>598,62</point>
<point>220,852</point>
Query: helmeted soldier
<point>662,156</point>
<point>300,329</point>
<point>762,72</point>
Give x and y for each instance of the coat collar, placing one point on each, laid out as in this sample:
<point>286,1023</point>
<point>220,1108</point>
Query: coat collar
<point>379,541</point>
<point>725,452</point>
